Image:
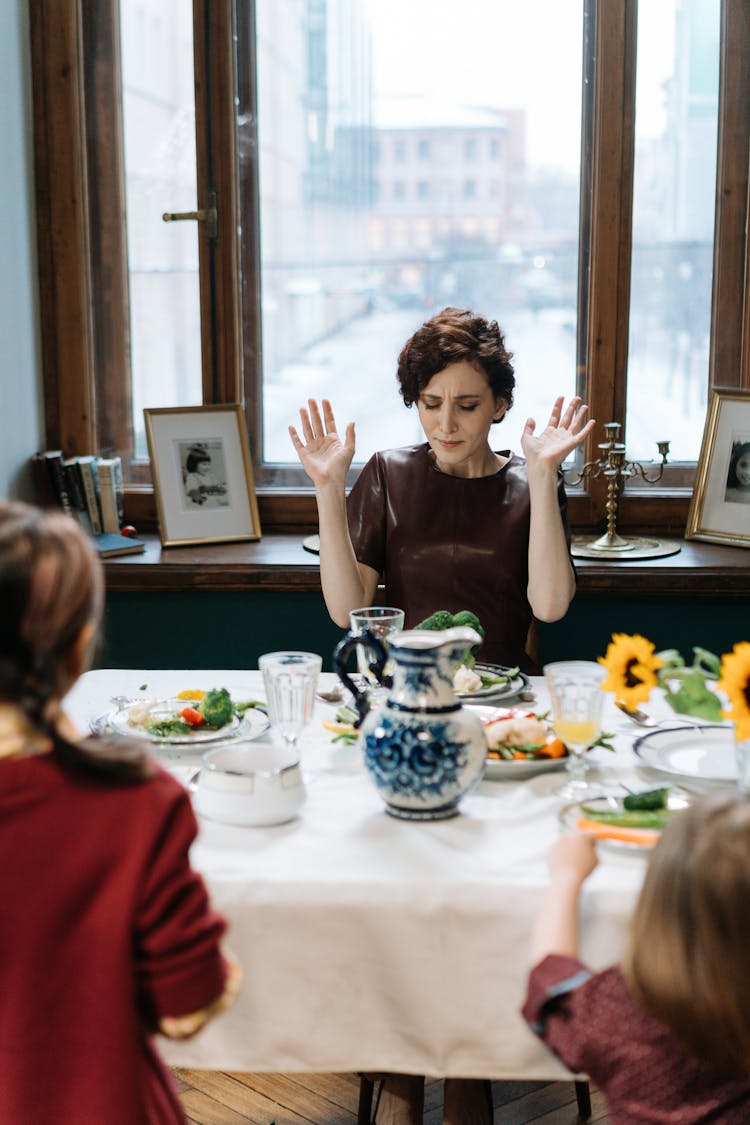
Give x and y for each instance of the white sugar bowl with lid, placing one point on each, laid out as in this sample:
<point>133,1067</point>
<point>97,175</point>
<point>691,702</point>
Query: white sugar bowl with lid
<point>249,784</point>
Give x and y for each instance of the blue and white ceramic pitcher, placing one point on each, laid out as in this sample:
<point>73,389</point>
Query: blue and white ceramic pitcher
<point>423,750</point>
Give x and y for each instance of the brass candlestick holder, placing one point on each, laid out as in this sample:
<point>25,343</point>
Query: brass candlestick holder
<point>613,466</point>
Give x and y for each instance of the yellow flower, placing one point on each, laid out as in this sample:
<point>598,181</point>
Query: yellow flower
<point>735,681</point>
<point>632,664</point>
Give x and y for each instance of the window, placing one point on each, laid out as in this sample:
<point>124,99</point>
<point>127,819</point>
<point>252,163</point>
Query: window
<point>593,234</point>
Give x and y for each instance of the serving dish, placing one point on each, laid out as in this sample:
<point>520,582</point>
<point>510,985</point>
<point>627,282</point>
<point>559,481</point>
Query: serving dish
<point>506,690</point>
<point>701,755</point>
<point>498,769</point>
<point>252,724</point>
<point>570,815</point>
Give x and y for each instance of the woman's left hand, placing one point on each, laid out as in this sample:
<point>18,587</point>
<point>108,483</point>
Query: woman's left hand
<point>564,431</point>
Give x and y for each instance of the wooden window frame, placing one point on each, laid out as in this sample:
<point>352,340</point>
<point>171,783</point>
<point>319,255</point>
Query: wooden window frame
<point>81,238</point>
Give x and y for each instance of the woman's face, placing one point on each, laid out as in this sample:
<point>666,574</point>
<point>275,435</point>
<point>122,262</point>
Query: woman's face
<point>456,410</point>
<point>742,469</point>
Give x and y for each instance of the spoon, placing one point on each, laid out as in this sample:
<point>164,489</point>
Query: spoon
<point>645,720</point>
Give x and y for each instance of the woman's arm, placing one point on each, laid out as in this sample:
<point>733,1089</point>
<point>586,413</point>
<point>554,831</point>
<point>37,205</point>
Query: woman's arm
<point>571,861</point>
<point>347,584</point>
<point>551,581</point>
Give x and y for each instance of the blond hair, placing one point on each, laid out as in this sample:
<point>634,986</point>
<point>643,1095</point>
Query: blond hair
<point>687,956</point>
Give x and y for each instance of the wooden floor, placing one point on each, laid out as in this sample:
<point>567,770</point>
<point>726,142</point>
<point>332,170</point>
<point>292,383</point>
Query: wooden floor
<point>219,1098</point>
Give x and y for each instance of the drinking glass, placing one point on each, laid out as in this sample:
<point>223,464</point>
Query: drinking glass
<point>576,700</point>
<point>290,680</point>
<point>382,621</point>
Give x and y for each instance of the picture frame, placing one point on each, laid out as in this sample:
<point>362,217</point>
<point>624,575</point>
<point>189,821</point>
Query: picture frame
<point>720,505</point>
<point>202,474</point>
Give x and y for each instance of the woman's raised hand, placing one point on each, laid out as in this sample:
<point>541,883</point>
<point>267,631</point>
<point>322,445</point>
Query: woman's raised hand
<point>325,458</point>
<point>564,431</point>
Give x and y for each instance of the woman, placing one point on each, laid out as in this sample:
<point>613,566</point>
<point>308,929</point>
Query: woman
<point>450,524</point>
<point>107,933</point>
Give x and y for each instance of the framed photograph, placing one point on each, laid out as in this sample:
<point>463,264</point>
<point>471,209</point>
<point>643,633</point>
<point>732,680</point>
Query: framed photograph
<point>720,507</point>
<point>202,473</point>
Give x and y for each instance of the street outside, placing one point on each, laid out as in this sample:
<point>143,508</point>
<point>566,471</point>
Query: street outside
<point>356,370</point>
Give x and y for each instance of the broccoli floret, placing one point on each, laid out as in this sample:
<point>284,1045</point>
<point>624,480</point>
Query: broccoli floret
<point>216,707</point>
<point>466,617</point>
<point>440,619</point>
<point>444,619</point>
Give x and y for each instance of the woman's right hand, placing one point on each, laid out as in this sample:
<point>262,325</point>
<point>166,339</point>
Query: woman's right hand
<point>325,458</point>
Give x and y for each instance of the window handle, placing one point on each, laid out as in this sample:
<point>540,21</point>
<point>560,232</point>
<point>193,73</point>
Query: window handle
<point>208,215</point>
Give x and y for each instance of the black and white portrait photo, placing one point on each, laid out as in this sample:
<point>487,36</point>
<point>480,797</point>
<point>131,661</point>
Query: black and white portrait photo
<point>738,477</point>
<point>203,474</point>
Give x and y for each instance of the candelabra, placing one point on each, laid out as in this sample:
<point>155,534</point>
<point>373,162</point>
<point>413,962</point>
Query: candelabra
<point>615,469</point>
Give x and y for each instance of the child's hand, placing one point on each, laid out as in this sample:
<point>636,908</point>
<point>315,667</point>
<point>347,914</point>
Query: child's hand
<point>574,856</point>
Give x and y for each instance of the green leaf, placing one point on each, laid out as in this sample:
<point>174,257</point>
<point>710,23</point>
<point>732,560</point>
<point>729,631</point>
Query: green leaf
<point>604,740</point>
<point>695,698</point>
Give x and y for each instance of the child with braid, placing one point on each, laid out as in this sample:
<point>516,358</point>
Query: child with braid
<point>106,934</point>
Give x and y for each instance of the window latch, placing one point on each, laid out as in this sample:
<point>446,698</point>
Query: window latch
<point>208,215</point>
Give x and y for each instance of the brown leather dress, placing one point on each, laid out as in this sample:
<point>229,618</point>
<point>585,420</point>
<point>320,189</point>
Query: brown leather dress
<point>444,542</point>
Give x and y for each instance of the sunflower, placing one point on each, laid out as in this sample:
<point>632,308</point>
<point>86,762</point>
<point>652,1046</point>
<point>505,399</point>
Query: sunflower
<point>632,664</point>
<point>735,681</point>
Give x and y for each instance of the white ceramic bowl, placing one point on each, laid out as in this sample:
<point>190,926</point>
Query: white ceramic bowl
<point>249,784</point>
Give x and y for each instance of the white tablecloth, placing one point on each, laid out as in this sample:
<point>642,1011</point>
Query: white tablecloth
<point>370,943</point>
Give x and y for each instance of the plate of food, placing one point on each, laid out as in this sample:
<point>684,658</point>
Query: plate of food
<point>488,681</point>
<point>519,744</point>
<point>631,822</point>
<point>191,718</point>
<point>700,754</point>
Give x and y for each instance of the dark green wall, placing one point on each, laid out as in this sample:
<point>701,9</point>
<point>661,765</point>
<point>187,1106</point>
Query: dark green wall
<point>210,629</point>
<point>712,623</point>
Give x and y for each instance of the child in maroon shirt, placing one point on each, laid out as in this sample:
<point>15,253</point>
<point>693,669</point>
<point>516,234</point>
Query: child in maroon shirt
<point>666,1034</point>
<point>106,934</point>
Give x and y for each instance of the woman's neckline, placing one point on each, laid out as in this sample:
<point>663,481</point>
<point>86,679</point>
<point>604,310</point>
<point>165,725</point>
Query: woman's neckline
<point>505,454</point>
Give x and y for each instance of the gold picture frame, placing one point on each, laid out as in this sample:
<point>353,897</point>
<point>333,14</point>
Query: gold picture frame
<point>720,505</point>
<point>202,474</point>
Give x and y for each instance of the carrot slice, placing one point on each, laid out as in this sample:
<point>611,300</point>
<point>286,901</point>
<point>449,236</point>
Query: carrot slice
<point>646,837</point>
<point>555,748</point>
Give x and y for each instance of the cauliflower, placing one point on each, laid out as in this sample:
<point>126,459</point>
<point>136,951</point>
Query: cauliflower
<point>139,712</point>
<point>516,731</point>
<point>466,680</point>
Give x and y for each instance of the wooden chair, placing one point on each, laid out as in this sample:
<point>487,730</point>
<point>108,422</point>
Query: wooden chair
<point>365,1115</point>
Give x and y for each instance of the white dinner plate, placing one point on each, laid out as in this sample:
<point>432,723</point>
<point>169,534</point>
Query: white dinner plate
<point>494,691</point>
<point>497,769</point>
<point>570,814</point>
<point>702,754</point>
<point>251,725</point>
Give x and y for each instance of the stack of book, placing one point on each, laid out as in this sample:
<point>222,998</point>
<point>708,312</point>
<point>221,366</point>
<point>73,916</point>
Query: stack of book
<point>89,489</point>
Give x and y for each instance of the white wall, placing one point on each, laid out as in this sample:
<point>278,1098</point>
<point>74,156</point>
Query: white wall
<point>21,419</point>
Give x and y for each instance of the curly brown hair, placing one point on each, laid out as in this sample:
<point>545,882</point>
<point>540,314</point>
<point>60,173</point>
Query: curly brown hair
<point>451,336</point>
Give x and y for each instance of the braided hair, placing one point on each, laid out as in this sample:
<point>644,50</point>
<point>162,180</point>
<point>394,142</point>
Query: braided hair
<point>51,588</point>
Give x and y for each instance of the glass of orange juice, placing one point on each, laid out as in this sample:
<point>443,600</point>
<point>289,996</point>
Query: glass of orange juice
<point>576,699</point>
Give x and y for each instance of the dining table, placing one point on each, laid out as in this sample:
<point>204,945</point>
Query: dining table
<point>372,943</point>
